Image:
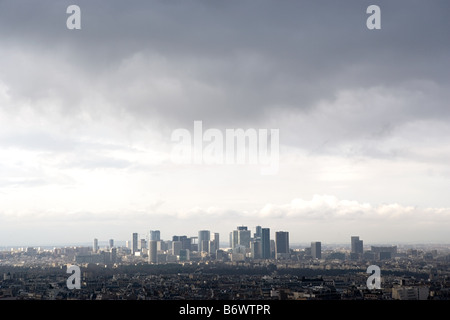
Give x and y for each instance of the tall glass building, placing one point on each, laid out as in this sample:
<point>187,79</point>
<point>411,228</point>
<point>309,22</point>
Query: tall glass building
<point>265,243</point>
<point>203,240</point>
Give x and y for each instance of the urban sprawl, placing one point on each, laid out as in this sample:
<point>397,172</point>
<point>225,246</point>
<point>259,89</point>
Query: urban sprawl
<point>253,266</point>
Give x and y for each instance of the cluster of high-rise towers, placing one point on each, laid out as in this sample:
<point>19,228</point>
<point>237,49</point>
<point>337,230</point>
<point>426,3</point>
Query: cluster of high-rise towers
<point>260,246</point>
<point>206,243</point>
<point>242,244</point>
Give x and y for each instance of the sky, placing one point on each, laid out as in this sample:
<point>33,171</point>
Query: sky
<point>87,117</point>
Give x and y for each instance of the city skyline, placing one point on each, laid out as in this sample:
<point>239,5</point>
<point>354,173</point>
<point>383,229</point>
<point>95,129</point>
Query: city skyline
<point>172,273</point>
<point>226,239</point>
<point>89,119</point>
<point>354,243</point>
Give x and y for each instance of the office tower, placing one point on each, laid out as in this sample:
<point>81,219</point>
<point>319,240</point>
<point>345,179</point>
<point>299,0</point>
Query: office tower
<point>95,245</point>
<point>265,243</point>
<point>161,245</point>
<point>142,244</point>
<point>134,243</point>
<point>185,241</point>
<point>356,252</point>
<point>155,235</point>
<point>391,249</point>
<point>281,244</point>
<point>211,247</point>
<point>203,239</point>
<point>106,257</point>
<point>316,250</point>
<point>204,246</point>
<point>234,239</point>
<point>382,253</point>
<point>113,253</point>
<point>194,243</point>
<point>255,247</point>
<point>184,255</point>
<point>272,248</point>
<point>176,248</point>
<point>180,238</point>
<point>213,243</point>
<point>111,243</point>
<point>152,252</point>
<point>244,238</point>
<point>240,237</point>
<point>215,238</point>
<point>357,245</point>
<point>220,255</point>
<point>258,231</point>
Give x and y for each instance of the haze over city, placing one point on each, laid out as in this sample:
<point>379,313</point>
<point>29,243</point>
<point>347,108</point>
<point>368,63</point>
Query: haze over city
<point>86,118</point>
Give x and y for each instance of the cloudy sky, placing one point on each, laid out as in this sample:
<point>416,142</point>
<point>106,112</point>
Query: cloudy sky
<point>86,118</point>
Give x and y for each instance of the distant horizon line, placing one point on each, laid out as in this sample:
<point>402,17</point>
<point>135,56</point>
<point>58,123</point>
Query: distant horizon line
<point>122,243</point>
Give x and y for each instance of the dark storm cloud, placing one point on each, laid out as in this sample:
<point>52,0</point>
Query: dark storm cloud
<point>225,62</point>
<point>86,115</point>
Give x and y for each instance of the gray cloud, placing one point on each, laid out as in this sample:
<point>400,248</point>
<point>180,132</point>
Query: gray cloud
<point>396,222</point>
<point>108,96</point>
<point>224,63</point>
<point>37,141</point>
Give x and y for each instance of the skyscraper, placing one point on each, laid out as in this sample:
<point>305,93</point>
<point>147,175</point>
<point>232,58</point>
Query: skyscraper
<point>111,243</point>
<point>203,240</point>
<point>193,243</point>
<point>185,241</point>
<point>258,234</point>
<point>184,255</point>
<point>155,235</point>
<point>215,239</point>
<point>356,248</point>
<point>357,245</point>
<point>244,238</point>
<point>95,245</point>
<point>204,246</point>
<point>272,248</point>
<point>176,247</point>
<point>281,244</point>
<point>234,238</point>
<point>113,255</point>
<point>240,237</point>
<point>142,244</point>
<point>134,243</point>
<point>265,243</point>
<point>316,250</point>
<point>152,252</point>
<point>255,247</point>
